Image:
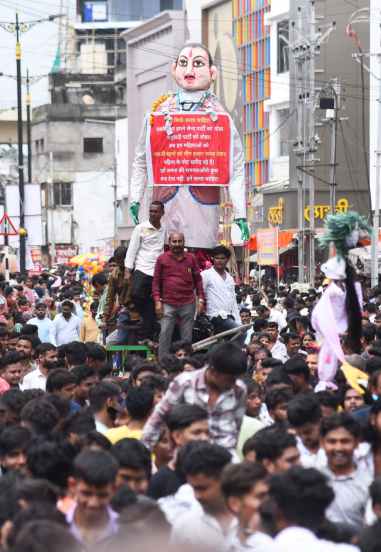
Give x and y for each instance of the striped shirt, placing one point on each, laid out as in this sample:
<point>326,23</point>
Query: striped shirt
<point>225,416</point>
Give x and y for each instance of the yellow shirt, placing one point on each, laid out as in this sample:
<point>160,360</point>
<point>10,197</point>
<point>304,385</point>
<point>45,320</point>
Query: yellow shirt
<point>89,329</point>
<point>117,433</point>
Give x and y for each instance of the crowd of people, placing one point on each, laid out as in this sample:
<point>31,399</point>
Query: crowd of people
<point>230,448</point>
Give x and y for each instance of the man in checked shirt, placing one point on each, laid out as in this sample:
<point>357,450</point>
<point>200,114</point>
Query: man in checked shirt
<point>216,388</point>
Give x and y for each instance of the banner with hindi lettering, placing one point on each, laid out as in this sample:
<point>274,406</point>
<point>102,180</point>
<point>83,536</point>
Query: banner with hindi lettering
<point>267,247</point>
<point>189,149</point>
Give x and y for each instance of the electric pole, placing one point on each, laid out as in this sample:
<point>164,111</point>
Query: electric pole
<point>304,48</point>
<point>17,28</point>
<point>28,126</point>
<point>20,149</point>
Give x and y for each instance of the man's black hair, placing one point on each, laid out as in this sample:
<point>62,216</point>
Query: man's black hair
<point>221,250</point>
<point>208,459</point>
<point>181,344</point>
<point>120,253</point>
<point>43,536</point>
<point>171,364</point>
<point>340,420</point>
<point>51,460</point>
<point>40,415</point>
<point>60,404</point>
<point>158,203</point>
<point>12,357</point>
<point>228,358</point>
<point>278,396</point>
<point>156,382</point>
<point>277,376</point>
<point>304,408</point>
<point>327,398</point>
<point>59,378</point>
<point>239,479</point>
<point>75,353</point>
<point>95,438</point>
<point>184,415</point>
<point>290,335</point>
<point>100,279</point>
<point>29,329</point>
<point>144,367</point>
<point>44,348</point>
<point>139,402</point>
<point>269,443</point>
<point>82,372</point>
<point>79,423</point>
<point>96,351</point>
<point>9,505</point>
<point>99,394</point>
<point>131,453</point>
<point>297,365</point>
<point>95,467</point>
<point>67,303</point>
<point>302,495</point>
<point>14,400</point>
<point>37,490</point>
<point>37,511</point>
<point>14,438</point>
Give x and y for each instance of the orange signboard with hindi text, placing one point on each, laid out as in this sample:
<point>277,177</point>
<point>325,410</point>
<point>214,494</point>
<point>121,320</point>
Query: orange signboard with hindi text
<point>267,247</point>
<point>189,149</point>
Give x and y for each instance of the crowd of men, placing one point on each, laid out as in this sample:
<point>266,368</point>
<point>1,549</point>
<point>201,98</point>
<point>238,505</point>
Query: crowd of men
<point>229,449</point>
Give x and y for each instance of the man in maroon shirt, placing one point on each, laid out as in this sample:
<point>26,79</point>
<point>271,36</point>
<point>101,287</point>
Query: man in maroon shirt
<point>176,282</point>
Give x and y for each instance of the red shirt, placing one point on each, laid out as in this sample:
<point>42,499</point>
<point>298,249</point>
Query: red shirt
<point>176,280</point>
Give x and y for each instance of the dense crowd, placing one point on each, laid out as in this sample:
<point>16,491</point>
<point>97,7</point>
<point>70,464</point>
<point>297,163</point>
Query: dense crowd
<point>230,448</point>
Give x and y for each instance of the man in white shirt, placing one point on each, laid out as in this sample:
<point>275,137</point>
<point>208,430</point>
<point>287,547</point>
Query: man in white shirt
<point>278,349</point>
<point>213,525</point>
<point>299,498</point>
<point>219,289</point>
<point>66,326</point>
<point>245,488</point>
<point>147,243</point>
<point>43,323</point>
<point>46,361</point>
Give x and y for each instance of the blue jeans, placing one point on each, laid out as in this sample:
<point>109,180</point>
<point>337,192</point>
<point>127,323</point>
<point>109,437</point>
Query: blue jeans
<point>184,314</point>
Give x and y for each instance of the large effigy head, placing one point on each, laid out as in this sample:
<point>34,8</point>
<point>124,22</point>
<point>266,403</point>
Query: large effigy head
<point>193,68</point>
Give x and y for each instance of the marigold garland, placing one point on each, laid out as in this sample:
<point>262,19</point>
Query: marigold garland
<point>156,104</point>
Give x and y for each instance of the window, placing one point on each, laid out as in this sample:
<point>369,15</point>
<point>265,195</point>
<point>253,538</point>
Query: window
<point>93,145</point>
<point>62,193</point>
<point>283,48</point>
<point>283,117</point>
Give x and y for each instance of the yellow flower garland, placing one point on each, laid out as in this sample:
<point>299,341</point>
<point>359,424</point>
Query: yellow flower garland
<point>156,104</point>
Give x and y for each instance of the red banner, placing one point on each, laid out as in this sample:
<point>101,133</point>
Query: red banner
<point>197,153</point>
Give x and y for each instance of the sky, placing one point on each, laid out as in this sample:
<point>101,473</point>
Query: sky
<point>39,46</point>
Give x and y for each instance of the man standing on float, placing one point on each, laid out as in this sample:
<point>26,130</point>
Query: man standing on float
<point>192,210</point>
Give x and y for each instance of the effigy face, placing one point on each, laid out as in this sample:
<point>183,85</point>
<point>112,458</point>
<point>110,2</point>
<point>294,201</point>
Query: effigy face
<point>192,70</point>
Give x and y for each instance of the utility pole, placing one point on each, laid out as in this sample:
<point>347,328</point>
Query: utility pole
<point>305,46</point>
<point>376,216</point>
<point>20,149</point>
<point>17,28</point>
<point>28,126</point>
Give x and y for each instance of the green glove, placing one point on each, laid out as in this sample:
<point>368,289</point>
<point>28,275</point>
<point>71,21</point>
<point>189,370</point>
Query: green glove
<point>134,212</point>
<point>244,227</point>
